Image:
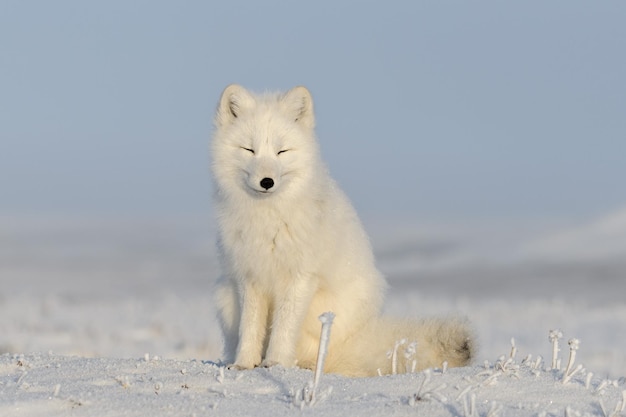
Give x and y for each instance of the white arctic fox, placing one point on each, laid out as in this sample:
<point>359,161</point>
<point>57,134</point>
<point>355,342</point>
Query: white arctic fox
<point>292,248</point>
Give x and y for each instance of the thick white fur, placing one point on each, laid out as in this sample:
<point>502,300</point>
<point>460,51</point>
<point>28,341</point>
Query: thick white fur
<point>297,249</point>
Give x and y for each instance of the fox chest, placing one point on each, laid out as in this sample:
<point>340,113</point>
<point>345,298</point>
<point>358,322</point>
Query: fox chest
<point>267,252</point>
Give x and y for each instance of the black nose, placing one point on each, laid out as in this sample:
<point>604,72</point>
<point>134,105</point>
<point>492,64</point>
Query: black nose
<point>267,183</point>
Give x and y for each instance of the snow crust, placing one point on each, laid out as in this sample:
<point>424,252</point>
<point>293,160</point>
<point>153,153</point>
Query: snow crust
<point>51,385</point>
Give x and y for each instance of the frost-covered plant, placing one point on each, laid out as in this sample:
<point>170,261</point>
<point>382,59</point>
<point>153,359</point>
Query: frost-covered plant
<point>619,407</point>
<point>393,355</point>
<point>409,352</point>
<point>494,410</point>
<point>513,349</point>
<point>424,394</point>
<point>471,410</point>
<point>307,395</point>
<point>506,366</point>
<point>554,337</point>
<point>467,389</point>
<point>569,372</point>
<point>573,347</point>
<point>604,384</point>
<point>327,322</point>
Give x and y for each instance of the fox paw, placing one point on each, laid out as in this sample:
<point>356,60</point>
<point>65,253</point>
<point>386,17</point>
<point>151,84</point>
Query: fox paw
<point>269,364</point>
<point>238,367</point>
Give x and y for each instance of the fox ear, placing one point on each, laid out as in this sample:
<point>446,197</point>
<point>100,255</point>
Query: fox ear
<point>299,104</point>
<point>234,101</point>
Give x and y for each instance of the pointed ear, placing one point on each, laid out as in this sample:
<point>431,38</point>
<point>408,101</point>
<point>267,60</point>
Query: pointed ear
<point>299,104</point>
<point>234,101</point>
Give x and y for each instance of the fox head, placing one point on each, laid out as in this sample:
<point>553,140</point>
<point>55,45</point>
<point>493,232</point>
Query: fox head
<point>264,146</point>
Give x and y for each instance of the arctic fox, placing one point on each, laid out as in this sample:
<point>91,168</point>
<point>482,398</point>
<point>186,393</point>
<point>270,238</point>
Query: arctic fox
<point>292,248</point>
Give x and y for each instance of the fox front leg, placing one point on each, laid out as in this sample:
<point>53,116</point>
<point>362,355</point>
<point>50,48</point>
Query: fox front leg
<point>289,313</point>
<point>252,327</point>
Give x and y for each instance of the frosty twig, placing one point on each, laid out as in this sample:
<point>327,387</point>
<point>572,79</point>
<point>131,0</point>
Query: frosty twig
<point>554,337</point>
<point>569,373</point>
<point>306,396</point>
<point>327,322</point>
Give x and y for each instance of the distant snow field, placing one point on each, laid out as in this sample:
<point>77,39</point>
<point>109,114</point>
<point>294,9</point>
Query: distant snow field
<point>116,317</point>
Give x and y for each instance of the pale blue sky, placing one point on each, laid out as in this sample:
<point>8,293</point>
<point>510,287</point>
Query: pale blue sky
<point>432,109</point>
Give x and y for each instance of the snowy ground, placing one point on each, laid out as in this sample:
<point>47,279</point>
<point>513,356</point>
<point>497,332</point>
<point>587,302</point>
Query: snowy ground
<point>87,306</point>
<point>49,385</point>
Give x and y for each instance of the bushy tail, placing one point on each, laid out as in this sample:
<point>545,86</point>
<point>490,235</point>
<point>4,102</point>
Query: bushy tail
<point>389,345</point>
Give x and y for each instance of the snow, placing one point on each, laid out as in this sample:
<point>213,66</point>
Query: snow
<point>115,317</point>
<point>53,385</point>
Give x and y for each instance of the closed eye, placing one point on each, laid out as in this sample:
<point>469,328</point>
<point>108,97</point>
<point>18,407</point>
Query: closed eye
<point>248,149</point>
<point>283,151</point>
